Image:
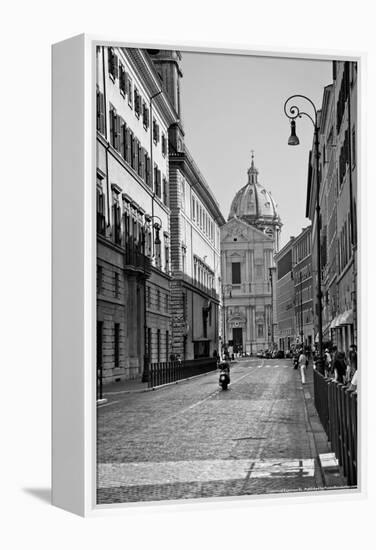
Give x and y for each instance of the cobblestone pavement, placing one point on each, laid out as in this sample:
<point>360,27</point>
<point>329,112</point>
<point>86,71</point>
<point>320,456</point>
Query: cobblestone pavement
<point>193,440</point>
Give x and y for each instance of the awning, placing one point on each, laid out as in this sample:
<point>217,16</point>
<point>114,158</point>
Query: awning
<point>334,323</point>
<point>346,318</point>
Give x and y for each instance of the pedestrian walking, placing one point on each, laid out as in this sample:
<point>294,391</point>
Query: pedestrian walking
<point>231,352</point>
<point>327,363</point>
<point>340,367</point>
<point>302,361</point>
<point>353,363</point>
<point>354,382</point>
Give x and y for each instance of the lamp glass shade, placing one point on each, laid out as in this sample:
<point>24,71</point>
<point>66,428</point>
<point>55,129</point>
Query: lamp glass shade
<point>157,239</point>
<point>293,139</point>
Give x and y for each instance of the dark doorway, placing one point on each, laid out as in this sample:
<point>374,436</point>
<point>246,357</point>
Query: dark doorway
<point>237,336</point>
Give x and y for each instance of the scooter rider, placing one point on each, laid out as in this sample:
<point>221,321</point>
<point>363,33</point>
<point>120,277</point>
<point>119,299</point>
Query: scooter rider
<point>224,374</point>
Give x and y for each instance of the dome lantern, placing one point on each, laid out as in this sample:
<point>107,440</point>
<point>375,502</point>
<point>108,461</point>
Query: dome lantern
<point>254,204</point>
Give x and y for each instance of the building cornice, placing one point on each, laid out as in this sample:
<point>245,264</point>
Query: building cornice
<point>144,66</point>
<point>191,171</point>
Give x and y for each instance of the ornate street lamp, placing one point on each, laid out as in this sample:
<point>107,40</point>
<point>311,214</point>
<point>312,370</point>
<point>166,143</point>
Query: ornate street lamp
<point>293,112</point>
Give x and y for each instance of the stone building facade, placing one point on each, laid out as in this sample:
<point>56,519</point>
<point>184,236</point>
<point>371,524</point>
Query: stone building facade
<point>133,215</point>
<point>338,207</point>
<point>249,240</point>
<point>303,289</point>
<point>195,219</point>
<point>285,298</point>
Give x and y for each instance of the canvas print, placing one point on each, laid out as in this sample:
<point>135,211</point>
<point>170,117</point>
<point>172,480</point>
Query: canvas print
<point>227,280</point>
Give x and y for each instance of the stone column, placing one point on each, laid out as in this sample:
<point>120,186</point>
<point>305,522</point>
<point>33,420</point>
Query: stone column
<point>249,322</point>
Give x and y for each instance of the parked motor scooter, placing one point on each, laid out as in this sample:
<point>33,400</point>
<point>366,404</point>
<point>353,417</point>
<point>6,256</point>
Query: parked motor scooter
<point>224,375</point>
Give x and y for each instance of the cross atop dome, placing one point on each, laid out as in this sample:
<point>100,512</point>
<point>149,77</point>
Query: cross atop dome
<point>252,171</point>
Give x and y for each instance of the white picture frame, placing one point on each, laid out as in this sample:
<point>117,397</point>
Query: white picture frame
<point>74,260</point>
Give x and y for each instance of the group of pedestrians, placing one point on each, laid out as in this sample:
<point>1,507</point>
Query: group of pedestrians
<point>336,365</point>
<point>341,367</point>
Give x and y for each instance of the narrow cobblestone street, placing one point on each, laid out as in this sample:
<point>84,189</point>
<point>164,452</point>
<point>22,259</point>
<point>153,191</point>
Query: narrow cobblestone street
<point>193,440</point>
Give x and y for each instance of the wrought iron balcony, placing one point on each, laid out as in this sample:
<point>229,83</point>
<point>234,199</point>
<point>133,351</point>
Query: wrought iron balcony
<point>136,260</point>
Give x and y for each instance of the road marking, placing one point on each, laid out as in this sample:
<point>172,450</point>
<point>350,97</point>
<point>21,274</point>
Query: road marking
<point>206,398</point>
<point>198,471</point>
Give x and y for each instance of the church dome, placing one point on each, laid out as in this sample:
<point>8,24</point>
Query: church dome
<point>253,203</point>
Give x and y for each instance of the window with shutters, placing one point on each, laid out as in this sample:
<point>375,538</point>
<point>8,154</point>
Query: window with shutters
<point>147,168</point>
<point>101,218</point>
<point>236,279</point>
<point>130,91</point>
<point>133,151</point>
<point>128,145</point>
<point>155,131</point>
<point>114,128</point>
<point>342,98</point>
<point>145,116</point>
<point>157,181</point>
<point>193,209</point>
<point>113,67</point>
<point>126,221</point>
<point>165,191</point>
<point>141,161</point>
<point>167,258</point>
<point>136,153</point>
<point>123,139</point>
<point>122,80</point>
<point>116,218</point>
<point>164,145</point>
<point>137,103</point>
<point>100,112</point>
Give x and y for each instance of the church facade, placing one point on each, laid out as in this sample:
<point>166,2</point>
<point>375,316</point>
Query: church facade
<point>249,240</point>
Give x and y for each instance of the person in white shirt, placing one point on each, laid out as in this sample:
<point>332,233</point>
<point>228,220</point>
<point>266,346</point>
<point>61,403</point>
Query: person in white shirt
<point>354,381</point>
<point>302,362</point>
<point>327,363</point>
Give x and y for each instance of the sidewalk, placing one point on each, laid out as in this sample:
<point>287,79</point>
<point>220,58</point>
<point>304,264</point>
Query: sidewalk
<point>136,385</point>
<point>124,386</point>
<point>330,470</point>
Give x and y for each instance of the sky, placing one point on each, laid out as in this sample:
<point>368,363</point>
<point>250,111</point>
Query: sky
<point>232,104</point>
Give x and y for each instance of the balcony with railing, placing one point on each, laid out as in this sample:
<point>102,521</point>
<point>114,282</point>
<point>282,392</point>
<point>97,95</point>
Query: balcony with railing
<point>135,259</point>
